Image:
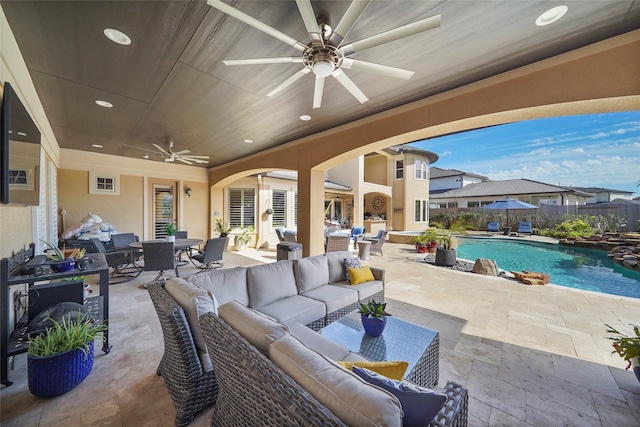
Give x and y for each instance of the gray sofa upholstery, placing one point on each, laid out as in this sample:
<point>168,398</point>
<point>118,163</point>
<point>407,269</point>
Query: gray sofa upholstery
<point>312,291</point>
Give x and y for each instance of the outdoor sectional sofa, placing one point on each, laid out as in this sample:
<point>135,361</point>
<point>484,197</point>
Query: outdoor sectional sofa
<point>237,373</point>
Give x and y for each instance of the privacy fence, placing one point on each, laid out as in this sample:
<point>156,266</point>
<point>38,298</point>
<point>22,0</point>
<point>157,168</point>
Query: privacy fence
<point>545,216</point>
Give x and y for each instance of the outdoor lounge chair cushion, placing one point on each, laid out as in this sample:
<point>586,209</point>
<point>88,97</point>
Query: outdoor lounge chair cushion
<point>260,330</point>
<point>195,301</point>
<point>312,272</point>
<point>281,283</point>
<point>323,345</point>
<point>295,309</point>
<point>420,405</point>
<point>229,284</point>
<point>335,260</point>
<point>333,297</point>
<point>350,398</point>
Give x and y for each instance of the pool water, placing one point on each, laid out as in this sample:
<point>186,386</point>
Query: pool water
<point>572,267</point>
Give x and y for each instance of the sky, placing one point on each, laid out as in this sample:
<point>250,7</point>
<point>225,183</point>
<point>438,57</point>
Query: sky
<point>597,150</point>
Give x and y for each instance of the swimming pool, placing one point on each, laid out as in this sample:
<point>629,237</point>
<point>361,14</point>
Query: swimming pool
<point>572,267</point>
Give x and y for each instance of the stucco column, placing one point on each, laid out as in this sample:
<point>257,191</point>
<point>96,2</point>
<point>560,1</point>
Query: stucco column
<point>310,211</point>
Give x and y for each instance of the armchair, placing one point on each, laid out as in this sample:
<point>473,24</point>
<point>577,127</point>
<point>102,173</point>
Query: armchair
<point>377,242</point>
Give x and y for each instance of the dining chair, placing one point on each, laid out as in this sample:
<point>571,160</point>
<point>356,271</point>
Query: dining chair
<point>159,256</point>
<point>121,242</point>
<point>118,260</point>
<point>337,243</point>
<point>211,257</point>
<point>182,234</point>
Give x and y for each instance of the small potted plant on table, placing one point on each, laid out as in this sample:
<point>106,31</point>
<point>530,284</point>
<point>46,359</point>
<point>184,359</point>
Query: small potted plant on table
<point>374,317</point>
<point>171,229</point>
<point>627,347</point>
<point>62,262</point>
<point>62,357</point>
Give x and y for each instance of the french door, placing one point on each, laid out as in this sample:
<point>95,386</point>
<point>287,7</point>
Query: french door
<point>164,209</point>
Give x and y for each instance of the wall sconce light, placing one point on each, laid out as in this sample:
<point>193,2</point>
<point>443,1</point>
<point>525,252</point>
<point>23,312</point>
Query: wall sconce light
<point>188,191</point>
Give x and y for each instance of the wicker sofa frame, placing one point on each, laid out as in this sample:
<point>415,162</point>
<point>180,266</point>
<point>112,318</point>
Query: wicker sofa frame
<point>190,387</point>
<point>254,391</point>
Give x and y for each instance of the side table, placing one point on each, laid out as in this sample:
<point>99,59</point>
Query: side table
<point>364,249</point>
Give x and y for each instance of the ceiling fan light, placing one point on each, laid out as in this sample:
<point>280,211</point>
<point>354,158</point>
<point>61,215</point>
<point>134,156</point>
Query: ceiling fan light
<point>323,68</point>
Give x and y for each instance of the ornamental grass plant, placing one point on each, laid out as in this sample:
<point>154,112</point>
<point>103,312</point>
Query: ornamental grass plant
<point>65,336</point>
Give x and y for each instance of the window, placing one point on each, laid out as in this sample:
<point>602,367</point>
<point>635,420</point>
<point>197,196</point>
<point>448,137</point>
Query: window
<point>105,184</point>
<point>420,210</point>
<point>242,212</point>
<point>475,204</point>
<point>399,169</point>
<point>422,169</point>
<point>295,209</point>
<point>18,177</point>
<point>279,206</point>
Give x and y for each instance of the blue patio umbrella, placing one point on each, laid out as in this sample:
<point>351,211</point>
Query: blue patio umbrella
<point>509,203</point>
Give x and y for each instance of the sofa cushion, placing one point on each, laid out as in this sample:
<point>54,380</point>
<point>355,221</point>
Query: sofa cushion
<point>311,272</point>
<point>295,309</point>
<point>252,325</point>
<point>195,301</point>
<point>271,282</point>
<point>335,260</point>
<point>393,369</point>
<point>420,405</point>
<point>365,290</point>
<point>229,284</point>
<point>318,342</point>
<point>333,297</point>
<point>350,263</point>
<point>360,275</point>
<point>349,397</point>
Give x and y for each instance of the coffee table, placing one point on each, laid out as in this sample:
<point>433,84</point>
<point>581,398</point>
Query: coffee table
<point>401,340</point>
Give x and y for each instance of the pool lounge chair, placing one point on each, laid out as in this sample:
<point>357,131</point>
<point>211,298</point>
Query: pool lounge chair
<point>524,228</point>
<point>493,227</point>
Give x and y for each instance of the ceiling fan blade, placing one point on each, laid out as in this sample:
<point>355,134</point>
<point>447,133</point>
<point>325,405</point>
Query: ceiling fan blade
<point>350,86</point>
<point>223,7</point>
<point>392,35</point>
<point>180,159</point>
<point>195,160</point>
<point>317,93</point>
<point>196,157</point>
<point>258,61</point>
<point>384,70</point>
<point>181,152</point>
<point>289,81</point>
<point>165,152</point>
<point>309,19</point>
<point>348,20</point>
<point>143,149</point>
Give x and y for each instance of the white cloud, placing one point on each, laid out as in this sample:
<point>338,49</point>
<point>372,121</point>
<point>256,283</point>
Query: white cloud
<point>578,150</point>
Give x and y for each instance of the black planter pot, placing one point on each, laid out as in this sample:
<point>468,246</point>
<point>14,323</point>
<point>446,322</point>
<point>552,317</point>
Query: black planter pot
<point>446,257</point>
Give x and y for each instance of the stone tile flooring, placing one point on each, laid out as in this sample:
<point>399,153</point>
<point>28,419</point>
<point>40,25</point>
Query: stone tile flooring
<point>530,355</point>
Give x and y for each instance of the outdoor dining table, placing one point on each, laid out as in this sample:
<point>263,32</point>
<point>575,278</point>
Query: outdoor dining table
<point>179,244</point>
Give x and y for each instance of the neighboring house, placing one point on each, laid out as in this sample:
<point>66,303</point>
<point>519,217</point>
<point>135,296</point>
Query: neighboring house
<point>448,179</point>
<point>604,194</point>
<point>386,189</point>
<point>526,190</point>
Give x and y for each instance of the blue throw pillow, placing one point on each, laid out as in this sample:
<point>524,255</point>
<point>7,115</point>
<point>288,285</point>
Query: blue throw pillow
<point>420,405</point>
<point>350,263</point>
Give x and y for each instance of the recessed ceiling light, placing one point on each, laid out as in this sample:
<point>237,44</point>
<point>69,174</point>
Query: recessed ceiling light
<point>305,117</point>
<point>104,104</point>
<point>96,145</point>
<point>249,141</point>
<point>117,36</point>
<point>551,15</point>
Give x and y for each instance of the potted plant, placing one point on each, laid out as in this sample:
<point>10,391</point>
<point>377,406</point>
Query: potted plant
<point>243,238</point>
<point>374,317</point>
<point>446,253</point>
<point>222,229</point>
<point>61,262</point>
<point>62,357</point>
<point>627,347</point>
<point>426,241</point>
<point>171,228</point>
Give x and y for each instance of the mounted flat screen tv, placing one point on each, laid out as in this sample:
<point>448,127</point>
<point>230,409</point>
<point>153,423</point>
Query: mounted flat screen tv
<point>20,149</point>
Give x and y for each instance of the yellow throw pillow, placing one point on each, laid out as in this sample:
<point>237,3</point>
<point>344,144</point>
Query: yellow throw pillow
<point>360,275</point>
<point>393,369</point>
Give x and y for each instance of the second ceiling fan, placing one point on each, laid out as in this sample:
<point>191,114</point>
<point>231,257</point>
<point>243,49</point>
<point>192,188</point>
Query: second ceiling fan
<point>325,55</point>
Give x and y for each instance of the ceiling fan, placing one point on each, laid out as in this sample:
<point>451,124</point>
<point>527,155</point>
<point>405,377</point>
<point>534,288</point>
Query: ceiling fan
<point>170,156</point>
<point>325,55</point>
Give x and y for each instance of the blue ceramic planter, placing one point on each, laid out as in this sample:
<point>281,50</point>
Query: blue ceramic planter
<point>373,326</point>
<point>54,375</point>
<point>62,266</point>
